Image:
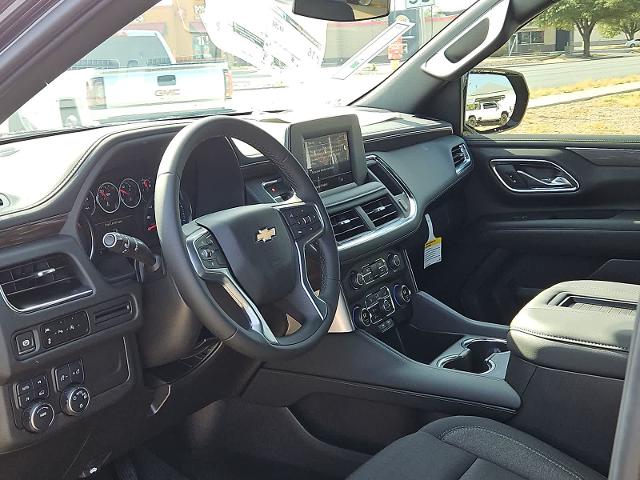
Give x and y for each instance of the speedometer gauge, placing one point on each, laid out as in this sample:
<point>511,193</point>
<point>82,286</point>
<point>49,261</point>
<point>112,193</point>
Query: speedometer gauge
<point>108,197</point>
<point>130,192</point>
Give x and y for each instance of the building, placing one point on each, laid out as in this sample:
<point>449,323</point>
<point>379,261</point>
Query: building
<point>179,23</point>
<point>535,39</point>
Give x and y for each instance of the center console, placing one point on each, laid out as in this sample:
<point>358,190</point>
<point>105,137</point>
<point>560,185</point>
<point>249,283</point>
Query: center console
<point>582,326</point>
<point>569,349</point>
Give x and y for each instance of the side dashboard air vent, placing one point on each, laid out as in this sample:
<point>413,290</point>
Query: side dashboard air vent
<point>381,211</point>
<point>41,283</point>
<point>347,225</point>
<point>461,157</point>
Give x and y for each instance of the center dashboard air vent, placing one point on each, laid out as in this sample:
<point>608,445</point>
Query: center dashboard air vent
<point>381,211</point>
<point>347,225</point>
<point>41,283</point>
<point>461,158</point>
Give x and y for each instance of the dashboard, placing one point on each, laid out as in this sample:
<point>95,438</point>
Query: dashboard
<point>125,338</point>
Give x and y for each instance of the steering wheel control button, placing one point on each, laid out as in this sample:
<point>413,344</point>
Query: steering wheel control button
<point>75,400</point>
<point>209,253</point>
<point>63,377</point>
<point>38,417</point>
<point>303,220</point>
<point>25,342</point>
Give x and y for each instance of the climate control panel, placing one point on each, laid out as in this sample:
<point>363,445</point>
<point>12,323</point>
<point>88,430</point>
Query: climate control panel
<point>367,274</point>
<point>379,291</point>
<point>40,398</point>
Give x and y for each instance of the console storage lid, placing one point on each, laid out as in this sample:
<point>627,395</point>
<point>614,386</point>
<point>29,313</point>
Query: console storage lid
<point>581,326</point>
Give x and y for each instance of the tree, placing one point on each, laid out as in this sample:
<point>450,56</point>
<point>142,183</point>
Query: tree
<point>629,26</point>
<point>581,14</point>
<point>627,21</point>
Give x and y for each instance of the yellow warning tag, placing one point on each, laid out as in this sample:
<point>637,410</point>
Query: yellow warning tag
<point>433,252</point>
<point>433,246</point>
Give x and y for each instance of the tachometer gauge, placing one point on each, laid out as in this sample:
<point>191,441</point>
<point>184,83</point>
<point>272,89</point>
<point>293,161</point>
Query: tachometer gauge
<point>89,204</point>
<point>130,192</point>
<point>108,197</point>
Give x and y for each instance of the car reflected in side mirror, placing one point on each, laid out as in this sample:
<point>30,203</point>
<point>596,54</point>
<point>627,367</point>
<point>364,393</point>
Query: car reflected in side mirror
<point>496,100</point>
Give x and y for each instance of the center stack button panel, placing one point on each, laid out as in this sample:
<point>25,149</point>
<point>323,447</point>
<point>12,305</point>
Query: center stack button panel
<point>378,291</point>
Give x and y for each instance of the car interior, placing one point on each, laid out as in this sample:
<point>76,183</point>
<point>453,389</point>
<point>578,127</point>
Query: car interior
<point>367,291</point>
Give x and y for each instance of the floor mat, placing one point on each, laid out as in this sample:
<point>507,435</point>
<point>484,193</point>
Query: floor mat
<point>144,465</point>
<point>148,466</point>
<point>237,468</point>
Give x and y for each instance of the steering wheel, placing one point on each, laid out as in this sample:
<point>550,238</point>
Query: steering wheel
<point>256,253</point>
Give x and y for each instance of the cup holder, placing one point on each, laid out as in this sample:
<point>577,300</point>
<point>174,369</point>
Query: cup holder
<point>475,358</point>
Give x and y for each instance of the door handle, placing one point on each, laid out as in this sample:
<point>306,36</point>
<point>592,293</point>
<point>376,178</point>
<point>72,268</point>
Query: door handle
<point>556,182</point>
<point>533,176</point>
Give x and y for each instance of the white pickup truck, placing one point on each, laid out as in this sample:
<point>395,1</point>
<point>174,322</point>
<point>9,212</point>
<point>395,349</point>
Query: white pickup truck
<point>490,112</point>
<point>133,75</point>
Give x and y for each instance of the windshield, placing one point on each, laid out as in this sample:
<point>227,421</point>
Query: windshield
<point>186,58</point>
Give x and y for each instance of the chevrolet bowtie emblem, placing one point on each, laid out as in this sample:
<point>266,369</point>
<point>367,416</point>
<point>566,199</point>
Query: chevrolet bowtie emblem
<point>265,235</point>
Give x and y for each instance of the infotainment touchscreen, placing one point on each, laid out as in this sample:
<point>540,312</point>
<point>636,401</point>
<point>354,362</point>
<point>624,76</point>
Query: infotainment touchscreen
<point>328,160</point>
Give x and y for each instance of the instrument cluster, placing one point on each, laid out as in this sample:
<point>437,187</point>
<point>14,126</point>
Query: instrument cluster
<point>125,205</point>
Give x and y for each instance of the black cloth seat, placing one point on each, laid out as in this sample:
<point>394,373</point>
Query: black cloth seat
<point>471,448</point>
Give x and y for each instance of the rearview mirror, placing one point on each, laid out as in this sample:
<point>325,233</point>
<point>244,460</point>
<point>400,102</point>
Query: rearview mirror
<point>496,100</point>
<point>342,10</point>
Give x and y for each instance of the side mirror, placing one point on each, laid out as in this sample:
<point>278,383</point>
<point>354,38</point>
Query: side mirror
<point>342,10</point>
<point>496,100</point>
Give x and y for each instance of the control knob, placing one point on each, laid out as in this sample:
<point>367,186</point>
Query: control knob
<point>38,417</point>
<point>75,400</point>
<point>357,280</point>
<point>402,294</point>
<point>362,316</point>
<point>394,261</point>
